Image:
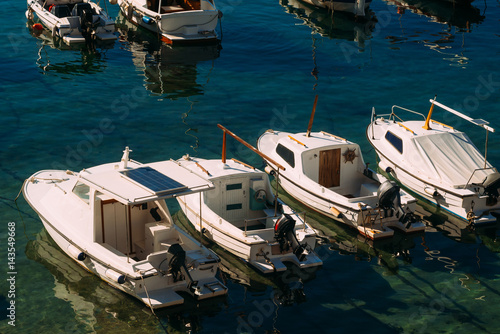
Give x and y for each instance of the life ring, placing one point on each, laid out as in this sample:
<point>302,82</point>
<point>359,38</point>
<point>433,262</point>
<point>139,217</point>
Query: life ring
<point>260,196</point>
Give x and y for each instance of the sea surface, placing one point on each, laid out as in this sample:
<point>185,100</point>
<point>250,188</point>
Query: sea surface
<point>76,108</point>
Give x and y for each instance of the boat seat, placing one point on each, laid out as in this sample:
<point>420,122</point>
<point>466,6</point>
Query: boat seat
<point>80,7</point>
<point>60,11</point>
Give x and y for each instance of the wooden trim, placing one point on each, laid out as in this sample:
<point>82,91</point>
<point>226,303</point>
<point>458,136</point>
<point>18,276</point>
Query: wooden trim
<point>296,141</point>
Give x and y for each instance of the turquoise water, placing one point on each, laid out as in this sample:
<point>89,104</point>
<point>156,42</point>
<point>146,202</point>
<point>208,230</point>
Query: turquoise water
<point>73,109</point>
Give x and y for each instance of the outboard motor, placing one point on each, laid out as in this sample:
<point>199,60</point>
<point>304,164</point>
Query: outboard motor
<point>491,185</point>
<point>86,19</point>
<point>177,262</point>
<point>285,235</point>
<point>389,198</point>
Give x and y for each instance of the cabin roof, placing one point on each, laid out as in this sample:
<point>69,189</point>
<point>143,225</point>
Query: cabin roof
<point>316,140</point>
<point>216,168</point>
<point>144,182</point>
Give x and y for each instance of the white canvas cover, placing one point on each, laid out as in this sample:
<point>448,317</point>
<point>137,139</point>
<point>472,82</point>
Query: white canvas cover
<point>450,158</point>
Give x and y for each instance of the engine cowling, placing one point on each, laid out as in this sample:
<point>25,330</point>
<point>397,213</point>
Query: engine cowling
<point>284,233</point>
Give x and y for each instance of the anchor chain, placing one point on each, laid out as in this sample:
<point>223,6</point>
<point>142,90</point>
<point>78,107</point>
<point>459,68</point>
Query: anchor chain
<point>471,217</point>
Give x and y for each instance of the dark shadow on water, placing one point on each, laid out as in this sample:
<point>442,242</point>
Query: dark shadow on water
<point>101,308</point>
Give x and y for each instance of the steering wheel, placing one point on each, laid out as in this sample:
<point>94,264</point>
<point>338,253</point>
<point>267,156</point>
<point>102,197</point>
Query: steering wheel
<point>260,196</point>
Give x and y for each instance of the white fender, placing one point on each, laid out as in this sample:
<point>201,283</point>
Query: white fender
<point>117,277</point>
<point>76,253</point>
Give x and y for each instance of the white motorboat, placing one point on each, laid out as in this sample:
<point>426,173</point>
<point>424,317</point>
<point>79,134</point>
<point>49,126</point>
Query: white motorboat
<point>74,21</point>
<point>356,7</point>
<point>113,220</point>
<point>175,21</point>
<point>327,173</point>
<point>437,162</point>
<point>243,216</point>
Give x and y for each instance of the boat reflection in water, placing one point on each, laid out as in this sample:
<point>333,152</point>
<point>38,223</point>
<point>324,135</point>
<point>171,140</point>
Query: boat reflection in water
<point>169,71</point>
<point>438,220</point>
<point>456,20</point>
<point>50,60</point>
<point>340,238</point>
<point>98,306</point>
<point>337,25</point>
<point>460,15</point>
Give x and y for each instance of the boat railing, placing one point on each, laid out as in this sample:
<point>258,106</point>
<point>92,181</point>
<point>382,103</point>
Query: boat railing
<point>405,109</point>
<point>476,170</point>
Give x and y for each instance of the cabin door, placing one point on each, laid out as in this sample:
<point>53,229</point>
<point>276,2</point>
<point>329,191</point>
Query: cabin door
<point>236,201</point>
<point>115,217</point>
<point>329,168</point>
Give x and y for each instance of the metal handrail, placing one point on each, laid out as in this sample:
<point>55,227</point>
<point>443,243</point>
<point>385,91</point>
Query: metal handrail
<point>409,110</point>
<point>475,170</point>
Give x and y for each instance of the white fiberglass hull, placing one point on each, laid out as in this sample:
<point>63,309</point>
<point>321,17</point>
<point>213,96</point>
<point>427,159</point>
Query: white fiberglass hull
<point>353,201</point>
<point>68,28</point>
<point>65,217</point>
<point>350,216</point>
<point>438,163</point>
<point>451,200</point>
<point>258,248</point>
<point>174,27</point>
<point>240,214</point>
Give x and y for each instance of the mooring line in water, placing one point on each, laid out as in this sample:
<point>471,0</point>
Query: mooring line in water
<point>149,304</point>
<point>19,210</point>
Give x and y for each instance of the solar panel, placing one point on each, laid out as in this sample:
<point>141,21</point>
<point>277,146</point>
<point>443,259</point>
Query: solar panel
<point>153,180</point>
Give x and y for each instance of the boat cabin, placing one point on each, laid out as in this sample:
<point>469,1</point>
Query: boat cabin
<point>328,160</point>
<point>242,197</point>
<point>128,207</point>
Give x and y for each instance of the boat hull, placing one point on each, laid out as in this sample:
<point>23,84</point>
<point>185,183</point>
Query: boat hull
<point>68,28</point>
<point>64,216</point>
<point>449,201</point>
<point>182,27</point>
<point>349,216</point>
<point>259,250</point>
<point>353,200</point>
<point>435,178</point>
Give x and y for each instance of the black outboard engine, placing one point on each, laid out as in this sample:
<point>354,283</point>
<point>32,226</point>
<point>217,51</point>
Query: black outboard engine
<point>389,200</point>
<point>85,14</point>
<point>285,235</point>
<point>177,262</point>
<point>491,185</point>
<point>86,18</point>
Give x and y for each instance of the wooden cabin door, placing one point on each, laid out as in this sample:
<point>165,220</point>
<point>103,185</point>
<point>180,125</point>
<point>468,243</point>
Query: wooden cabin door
<point>329,168</point>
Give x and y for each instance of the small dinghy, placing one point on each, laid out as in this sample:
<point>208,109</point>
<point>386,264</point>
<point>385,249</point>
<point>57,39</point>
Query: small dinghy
<point>74,21</point>
<point>175,21</point>
<point>327,173</point>
<point>113,220</point>
<point>242,215</point>
<point>437,162</point>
